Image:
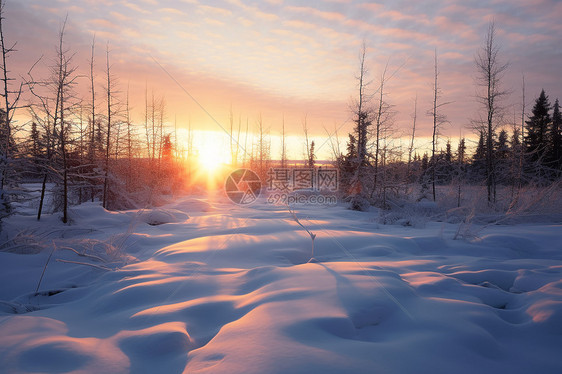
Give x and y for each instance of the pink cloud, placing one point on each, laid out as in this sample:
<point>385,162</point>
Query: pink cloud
<point>329,16</point>
<point>215,10</point>
<point>172,11</point>
<point>135,7</point>
<point>102,23</point>
<point>119,16</point>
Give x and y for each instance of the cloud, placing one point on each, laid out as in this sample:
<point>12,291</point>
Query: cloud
<point>213,22</point>
<point>276,51</point>
<point>373,7</point>
<point>119,16</point>
<point>329,16</point>
<point>214,10</point>
<point>244,21</point>
<point>98,23</point>
<point>135,7</point>
<point>174,11</point>
<point>254,12</point>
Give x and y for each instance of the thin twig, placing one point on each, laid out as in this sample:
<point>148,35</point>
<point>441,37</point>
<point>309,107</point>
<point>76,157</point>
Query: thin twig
<point>312,235</point>
<point>84,263</point>
<point>45,267</point>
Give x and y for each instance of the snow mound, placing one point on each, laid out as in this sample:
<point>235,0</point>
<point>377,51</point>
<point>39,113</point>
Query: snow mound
<point>232,290</point>
<point>155,217</point>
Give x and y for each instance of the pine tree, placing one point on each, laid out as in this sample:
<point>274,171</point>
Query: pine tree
<point>36,149</point>
<point>311,156</point>
<point>446,169</point>
<point>478,166</point>
<point>460,169</point>
<point>425,162</point>
<point>461,151</point>
<point>167,149</point>
<point>347,166</point>
<point>555,139</point>
<point>502,157</point>
<point>536,137</point>
<point>480,153</point>
<point>515,158</point>
<point>502,146</point>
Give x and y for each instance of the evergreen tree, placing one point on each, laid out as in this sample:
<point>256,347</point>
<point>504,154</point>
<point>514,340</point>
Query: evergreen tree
<point>536,139</point>
<point>555,139</point>
<point>459,171</point>
<point>351,150</point>
<point>347,166</point>
<point>445,165</point>
<point>35,141</point>
<point>502,153</point>
<point>515,141</point>
<point>311,156</point>
<point>480,153</point>
<point>167,148</point>
<point>461,151</point>
<point>515,157</point>
<point>478,165</point>
<point>448,153</point>
<point>424,174</point>
<point>36,147</point>
<point>502,146</point>
<point>425,162</point>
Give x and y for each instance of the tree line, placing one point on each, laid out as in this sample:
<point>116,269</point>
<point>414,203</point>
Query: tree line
<point>88,149</point>
<point>508,153</point>
<point>82,148</point>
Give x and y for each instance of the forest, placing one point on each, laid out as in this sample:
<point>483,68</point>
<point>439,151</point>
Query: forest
<point>88,148</point>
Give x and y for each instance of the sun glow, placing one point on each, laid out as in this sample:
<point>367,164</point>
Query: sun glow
<point>210,159</point>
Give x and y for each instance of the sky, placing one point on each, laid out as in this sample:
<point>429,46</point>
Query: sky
<point>295,61</point>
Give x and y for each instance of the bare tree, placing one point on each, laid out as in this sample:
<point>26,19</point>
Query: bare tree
<point>153,127</point>
<point>234,141</point>
<point>161,112</point>
<point>66,80</point>
<point>283,145</point>
<point>306,142</point>
<point>58,124</point>
<point>382,122</point>
<point>411,147</point>
<point>110,113</point>
<point>9,104</point>
<point>438,120</point>
<point>129,138</point>
<point>490,71</point>
<point>263,148</point>
<point>231,136</point>
<point>146,128</point>
<point>521,147</point>
<point>361,111</point>
<point>335,144</point>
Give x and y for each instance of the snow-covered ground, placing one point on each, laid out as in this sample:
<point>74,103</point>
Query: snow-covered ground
<point>204,286</point>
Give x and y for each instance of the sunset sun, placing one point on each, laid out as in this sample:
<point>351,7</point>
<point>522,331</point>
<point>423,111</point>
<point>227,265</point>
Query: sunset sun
<point>210,159</point>
<point>212,150</point>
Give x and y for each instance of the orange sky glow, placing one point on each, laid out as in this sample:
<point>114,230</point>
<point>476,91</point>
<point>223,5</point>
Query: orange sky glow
<point>294,60</point>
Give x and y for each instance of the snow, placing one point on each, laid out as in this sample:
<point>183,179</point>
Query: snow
<point>203,286</point>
